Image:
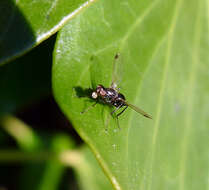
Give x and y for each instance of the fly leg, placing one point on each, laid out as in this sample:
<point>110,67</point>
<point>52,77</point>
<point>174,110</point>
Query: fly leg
<point>122,111</point>
<point>108,118</point>
<point>117,108</point>
<point>107,122</point>
<point>88,108</point>
<point>119,114</point>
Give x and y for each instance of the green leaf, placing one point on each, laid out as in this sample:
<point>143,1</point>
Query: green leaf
<point>86,166</point>
<point>24,24</point>
<point>163,69</point>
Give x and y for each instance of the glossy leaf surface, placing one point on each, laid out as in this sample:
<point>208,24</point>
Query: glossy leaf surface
<point>24,24</point>
<point>88,172</point>
<point>163,69</point>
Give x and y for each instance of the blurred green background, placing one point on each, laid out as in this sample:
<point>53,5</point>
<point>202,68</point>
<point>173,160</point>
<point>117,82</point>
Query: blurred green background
<point>39,149</point>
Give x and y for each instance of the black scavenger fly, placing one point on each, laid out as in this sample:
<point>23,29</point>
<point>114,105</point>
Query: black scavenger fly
<point>111,96</point>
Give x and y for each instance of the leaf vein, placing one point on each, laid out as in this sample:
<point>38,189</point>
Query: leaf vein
<point>189,107</point>
<point>162,90</point>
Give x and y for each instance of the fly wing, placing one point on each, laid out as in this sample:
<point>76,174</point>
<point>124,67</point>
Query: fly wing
<point>116,71</point>
<point>95,71</point>
<point>138,110</point>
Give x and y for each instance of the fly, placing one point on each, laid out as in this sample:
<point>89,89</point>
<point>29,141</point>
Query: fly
<point>111,96</point>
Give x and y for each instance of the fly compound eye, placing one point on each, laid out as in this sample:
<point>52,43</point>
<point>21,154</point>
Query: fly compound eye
<point>94,95</point>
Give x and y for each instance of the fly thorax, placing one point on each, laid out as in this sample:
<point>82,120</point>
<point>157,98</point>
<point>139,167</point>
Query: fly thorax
<point>110,95</point>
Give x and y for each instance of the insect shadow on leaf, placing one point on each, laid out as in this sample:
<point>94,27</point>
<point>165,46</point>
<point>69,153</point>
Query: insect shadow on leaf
<point>83,92</point>
<point>87,94</point>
